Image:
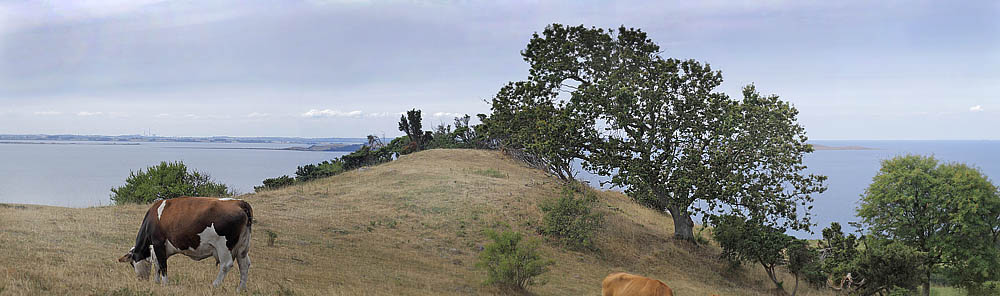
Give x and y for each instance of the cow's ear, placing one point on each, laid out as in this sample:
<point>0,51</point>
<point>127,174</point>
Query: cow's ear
<point>126,258</point>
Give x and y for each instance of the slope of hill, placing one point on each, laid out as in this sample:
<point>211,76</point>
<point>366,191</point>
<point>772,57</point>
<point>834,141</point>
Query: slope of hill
<point>408,227</point>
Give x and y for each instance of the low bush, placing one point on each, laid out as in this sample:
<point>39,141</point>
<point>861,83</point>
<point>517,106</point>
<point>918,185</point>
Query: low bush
<point>166,180</point>
<point>511,261</point>
<point>274,183</point>
<point>315,171</point>
<point>571,219</point>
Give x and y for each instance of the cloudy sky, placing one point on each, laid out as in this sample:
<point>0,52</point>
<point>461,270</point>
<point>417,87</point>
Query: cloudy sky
<point>854,69</point>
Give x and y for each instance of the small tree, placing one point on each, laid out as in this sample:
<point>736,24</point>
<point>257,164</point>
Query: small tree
<point>949,212</point>
<point>803,261</point>
<point>838,251</point>
<point>166,180</point>
<point>751,241</point>
<point>412,125</point>
<point>511,261</point>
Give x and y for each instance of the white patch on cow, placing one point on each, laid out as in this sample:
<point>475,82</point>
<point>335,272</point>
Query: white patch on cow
<point>210,237</point>
<point>228,198</point>
<point>159,212</point>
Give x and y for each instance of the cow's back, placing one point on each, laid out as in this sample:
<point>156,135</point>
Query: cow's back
<point>182,219</point>
<point>624,284</point>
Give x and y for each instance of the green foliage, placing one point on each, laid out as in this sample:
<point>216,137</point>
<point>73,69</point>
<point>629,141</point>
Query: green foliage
<point>315,171</point>
<point>888,266</point>
<point>751,241</point>
<point>803,261</point>
<point>412,125</point>
<point>274,183</point>
<point>571,219</point>
<point>840,251</point>
<point>511,261</point>
<point>950,212</point>
<point>667,136</point>
<point>463,136</point>
<point>530,124</point>
<point>166,180</point>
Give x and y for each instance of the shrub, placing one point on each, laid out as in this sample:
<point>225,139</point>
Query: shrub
<point>166,180</point>
<point>511,261</point>
<point>271,236</point>
<point>751,241</point>
<point>315,171</point>
<point>274,183</point>
<point>570,218</point>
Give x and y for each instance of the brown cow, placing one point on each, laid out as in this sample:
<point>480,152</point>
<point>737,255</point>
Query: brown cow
<point>623,284</point>
<point>199,227</point>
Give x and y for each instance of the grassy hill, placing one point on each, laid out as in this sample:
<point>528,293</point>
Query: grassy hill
<point>408,227</point>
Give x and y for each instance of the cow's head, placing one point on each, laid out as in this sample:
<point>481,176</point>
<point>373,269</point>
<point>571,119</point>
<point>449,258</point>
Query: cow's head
<point>141,266</point>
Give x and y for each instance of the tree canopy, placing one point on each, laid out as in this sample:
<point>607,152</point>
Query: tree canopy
<point>949,212</point>
<point>658,128</point>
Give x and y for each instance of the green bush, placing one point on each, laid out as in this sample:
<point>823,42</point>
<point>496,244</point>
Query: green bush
<point>274,183</point>
<point>166,180</point>
<point>571,219</point>
<point>315,171</point>
<point>510,261</point>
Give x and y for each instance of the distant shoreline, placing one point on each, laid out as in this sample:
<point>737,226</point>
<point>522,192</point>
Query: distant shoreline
<point>162,139</point>
<point>64,143</point>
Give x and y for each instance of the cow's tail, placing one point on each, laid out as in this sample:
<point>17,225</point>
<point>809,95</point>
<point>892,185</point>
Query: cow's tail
<point>246,208</point>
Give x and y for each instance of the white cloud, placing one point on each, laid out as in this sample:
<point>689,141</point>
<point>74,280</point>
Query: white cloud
<point>48,113</point>
<point>162,115</point>
<point>85,113</point>
<point>449,114</point>
<point>976,108</point>
<point>385,114</point>
<point>330,113</point>
<point>257,115</point>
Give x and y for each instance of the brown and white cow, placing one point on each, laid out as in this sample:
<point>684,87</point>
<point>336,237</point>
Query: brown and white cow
<point>623,284</point>
<point>199,227</point>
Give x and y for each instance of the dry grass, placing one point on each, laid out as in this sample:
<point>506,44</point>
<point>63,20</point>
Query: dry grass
<point>409,227</point>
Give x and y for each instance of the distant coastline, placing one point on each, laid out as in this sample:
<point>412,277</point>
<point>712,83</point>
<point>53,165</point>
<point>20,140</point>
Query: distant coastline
<point>39,138</point>
<point>64,143</point>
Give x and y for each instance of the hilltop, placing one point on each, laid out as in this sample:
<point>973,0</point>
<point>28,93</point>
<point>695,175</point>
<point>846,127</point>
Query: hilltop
<point>408,227</point>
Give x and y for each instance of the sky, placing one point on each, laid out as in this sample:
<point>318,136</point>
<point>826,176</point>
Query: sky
<point>857,70</point>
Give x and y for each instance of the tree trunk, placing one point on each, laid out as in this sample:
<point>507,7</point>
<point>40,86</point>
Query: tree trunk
<point>927,283</point>
<point>771,275</point>
<point>683,225</point>
<point>796,289</point>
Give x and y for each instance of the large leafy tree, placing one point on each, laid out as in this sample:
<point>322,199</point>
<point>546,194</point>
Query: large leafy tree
<point>667,137</point>
<point>949,212</point>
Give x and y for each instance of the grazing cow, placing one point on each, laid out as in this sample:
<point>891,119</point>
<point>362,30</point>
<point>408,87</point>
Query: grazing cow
<point>623,284</point>
<point>199,227</point>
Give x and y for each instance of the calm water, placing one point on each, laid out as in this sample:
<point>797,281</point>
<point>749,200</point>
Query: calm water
<point>82,174</point>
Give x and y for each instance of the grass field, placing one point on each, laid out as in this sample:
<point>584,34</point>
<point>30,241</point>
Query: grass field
<point>408,227</point>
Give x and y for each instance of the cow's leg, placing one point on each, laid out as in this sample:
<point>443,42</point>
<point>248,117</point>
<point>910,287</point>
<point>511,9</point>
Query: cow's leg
<point>244,262</point>
<point>156,266</point>
<point>225,258</point>
<point>160,253</point>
